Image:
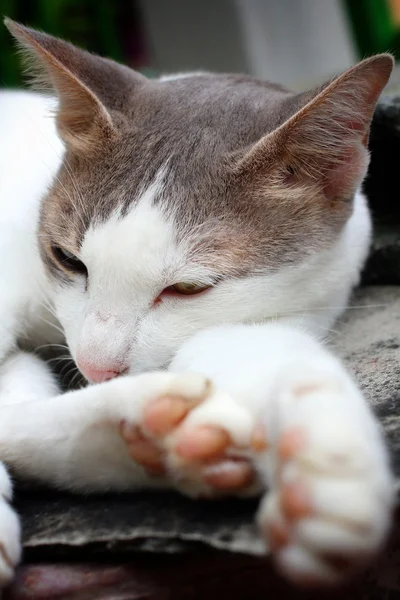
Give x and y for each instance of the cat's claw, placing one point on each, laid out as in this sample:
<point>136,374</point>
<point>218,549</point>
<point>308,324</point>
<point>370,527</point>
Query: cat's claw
<point>176,439</point>
<point>329,510</point>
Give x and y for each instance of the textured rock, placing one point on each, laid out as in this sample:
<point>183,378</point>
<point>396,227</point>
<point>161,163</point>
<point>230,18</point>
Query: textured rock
<point>369,342</point>
<point>63,525</point>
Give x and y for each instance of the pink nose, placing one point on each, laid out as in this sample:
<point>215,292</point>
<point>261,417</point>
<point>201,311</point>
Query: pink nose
<point>98,376</point>
<point>93,372</point>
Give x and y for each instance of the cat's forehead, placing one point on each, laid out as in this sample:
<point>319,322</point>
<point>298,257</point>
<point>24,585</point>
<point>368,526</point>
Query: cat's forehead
<point>147,245</point>
<point>185,129</point>
<point>194,124</point>
<point>236,109</point>
<point>188,128</point>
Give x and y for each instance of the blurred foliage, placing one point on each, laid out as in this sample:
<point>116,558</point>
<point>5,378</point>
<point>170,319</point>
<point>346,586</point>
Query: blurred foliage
<point>107,27</point>
<point>375,25</point>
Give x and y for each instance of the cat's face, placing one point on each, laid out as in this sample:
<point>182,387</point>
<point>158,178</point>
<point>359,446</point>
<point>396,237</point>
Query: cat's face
<point>191,202</point>
<point>161,206</point>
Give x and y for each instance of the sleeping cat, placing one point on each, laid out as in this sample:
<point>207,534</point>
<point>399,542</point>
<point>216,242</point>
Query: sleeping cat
<point>191,240</point>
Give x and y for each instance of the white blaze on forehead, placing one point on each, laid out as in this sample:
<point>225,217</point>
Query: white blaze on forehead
<point>135,247</point>
<point>139,253</point>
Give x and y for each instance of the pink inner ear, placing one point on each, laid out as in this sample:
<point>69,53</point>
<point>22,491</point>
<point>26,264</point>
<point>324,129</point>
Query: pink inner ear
<point>346,171</point>
<point>356,126</point>
<point>344,167</point>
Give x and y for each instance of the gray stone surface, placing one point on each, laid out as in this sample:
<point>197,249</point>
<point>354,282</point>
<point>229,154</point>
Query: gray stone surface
<point>54,524</point>
<point>369,342</point>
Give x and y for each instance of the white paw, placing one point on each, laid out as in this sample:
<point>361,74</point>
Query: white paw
<point>10,543</point>
<point>197,437</point>
<point>331,499</point>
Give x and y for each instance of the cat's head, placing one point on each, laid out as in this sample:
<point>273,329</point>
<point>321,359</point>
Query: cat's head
<point>193,201</point>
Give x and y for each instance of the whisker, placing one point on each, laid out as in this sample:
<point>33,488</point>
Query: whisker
<point>72,382</point>
<point>52,325</point>
<point>62,346</point>
<point>68,195</point>
<point>330,307</point>
<point>63,370</point>
<point>59,359</point>
<point>80,198</point>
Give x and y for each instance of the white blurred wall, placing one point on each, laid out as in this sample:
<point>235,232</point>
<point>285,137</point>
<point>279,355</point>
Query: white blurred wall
<point>294,42</point>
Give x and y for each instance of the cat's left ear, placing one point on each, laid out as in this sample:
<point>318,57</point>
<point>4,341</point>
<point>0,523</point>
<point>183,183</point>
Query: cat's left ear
<point>90,89</point>
<point>326,140</point>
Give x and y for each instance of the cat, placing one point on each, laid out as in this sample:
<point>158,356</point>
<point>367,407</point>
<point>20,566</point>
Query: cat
<point>190,240</point>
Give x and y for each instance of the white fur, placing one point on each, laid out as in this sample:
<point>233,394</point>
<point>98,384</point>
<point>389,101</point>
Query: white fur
<point>256,339</point>
<point>30,154</point>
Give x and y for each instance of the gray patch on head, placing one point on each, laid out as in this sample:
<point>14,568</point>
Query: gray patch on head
<point>194,128</point>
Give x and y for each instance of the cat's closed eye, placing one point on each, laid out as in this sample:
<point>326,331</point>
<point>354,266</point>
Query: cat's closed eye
<point>68,260</point>
<point>186,288</point>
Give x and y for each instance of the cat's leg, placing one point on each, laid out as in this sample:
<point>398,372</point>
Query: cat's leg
<point>10,544</point>
<point>97,438</point>
<point>331,493</point>
<point>82,440</point>
<point>8,329</point>
<point>74,440</point>
<point>88,440</point>
<point>23,377</point>
<point>292,411</point>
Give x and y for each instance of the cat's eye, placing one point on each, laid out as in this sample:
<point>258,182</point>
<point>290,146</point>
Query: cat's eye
<point>187,288</point>
<point>68,260</point>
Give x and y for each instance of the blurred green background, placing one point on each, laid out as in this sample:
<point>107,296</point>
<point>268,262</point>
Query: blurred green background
<point>294,42</point>
<point>109,28</point>
<point>375,25</point>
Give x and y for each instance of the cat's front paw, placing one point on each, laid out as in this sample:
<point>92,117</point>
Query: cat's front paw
<point>10,536</point>
<point>331,501</point>
<point>197,437</point>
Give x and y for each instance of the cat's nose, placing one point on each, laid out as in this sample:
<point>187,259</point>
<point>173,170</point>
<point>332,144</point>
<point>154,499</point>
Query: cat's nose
<point>97,375</point>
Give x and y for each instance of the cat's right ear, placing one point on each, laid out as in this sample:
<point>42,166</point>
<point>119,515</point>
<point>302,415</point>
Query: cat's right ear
<point>90,89</point>
<point>325,143</point>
